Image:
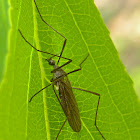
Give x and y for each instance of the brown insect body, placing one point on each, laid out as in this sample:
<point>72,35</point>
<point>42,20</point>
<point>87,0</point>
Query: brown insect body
<point>67,98</point>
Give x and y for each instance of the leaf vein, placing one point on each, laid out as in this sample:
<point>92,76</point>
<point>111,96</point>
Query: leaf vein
<point>96,66</point>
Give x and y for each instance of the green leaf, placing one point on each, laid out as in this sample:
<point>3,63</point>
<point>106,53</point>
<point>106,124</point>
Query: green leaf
<point>136,77</point>
<point>4,26</point>
<point>27,72</point>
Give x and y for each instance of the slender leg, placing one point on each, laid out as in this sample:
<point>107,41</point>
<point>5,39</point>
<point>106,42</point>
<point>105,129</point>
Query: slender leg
<point>62,51</point>
<point>59,102</point>
<point>38,92</point>
<point>57,97</point>
<point>79,66</point>
<point>96,109</point>
<point>63,109</point>
<point>53,29</point>
<point>71,71</point>
<point>45,21</point>
<point>40,50</point>
<point>61,129</point>
<point>69,60</point>
<point>53,82</point>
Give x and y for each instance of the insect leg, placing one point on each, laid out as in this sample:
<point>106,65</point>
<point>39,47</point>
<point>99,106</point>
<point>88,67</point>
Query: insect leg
<point>62,108</point>
<point>36,48</point>
<point>52,29</point>
<point>62,51</point>
<point>46,22</point>
<point>96,109</point>
<point>73,70</point>
<point>38,92</point>
<point>46,87</point>
<point>79,66</point>
<point>69,60</point>
<point>57,97</point>
<point>61,129</point>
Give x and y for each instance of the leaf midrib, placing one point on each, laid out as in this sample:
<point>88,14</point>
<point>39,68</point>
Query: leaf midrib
<point>42,72</point>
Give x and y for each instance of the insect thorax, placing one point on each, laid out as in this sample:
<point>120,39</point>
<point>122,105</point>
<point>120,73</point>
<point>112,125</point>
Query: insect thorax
<point>58,73</point>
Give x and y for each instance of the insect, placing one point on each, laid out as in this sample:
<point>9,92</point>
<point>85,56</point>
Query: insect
<point>60,79</point>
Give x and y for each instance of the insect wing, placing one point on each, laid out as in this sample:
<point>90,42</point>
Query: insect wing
<point>69,104</point>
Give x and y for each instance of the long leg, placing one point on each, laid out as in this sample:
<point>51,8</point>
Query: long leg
<point>40,50</point>
<point>62,108</point>
<point>45,21</point>
<point>45,88</point>
<point>69,60</point>
<point>79,66</point>
<point>53,82</point>
<point>68,63</point>
<point>54,30</point>
<point>73,70</point>
<point>96,109</point>
<point>61,129</point>
<point>38,92</point>
<point>57,97</point>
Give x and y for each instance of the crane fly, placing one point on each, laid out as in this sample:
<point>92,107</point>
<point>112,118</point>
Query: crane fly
<point>60,79</point>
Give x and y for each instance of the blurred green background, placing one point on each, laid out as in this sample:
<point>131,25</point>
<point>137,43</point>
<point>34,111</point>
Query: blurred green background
<point>123,22</point>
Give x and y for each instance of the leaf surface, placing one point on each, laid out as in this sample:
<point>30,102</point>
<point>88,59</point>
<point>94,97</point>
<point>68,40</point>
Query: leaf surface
<point>4,26</point>
<point>28,72</point>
